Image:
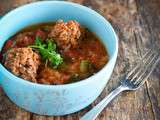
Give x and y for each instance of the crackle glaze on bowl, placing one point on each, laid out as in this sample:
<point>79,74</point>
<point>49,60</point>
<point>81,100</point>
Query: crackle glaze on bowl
<point>56,99</point>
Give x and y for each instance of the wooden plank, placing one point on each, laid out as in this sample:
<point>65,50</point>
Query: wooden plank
<point>9,111</point>
<point>137,23</point>
<point>150,13</point>
<point>123,16</point>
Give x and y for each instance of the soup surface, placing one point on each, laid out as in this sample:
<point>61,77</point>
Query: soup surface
<point>54,53</point>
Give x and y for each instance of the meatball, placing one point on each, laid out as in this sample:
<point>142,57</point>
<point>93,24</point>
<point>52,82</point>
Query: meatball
<point>41,34</point>
<point>23,62</point>
<point>28,38</point>
<point>51,76</point>
<point>25,39</point>
<point>66,35</point>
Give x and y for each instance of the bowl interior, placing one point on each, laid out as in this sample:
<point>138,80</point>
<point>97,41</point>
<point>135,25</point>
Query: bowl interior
<point>46,12</point>
<point>53,10</point>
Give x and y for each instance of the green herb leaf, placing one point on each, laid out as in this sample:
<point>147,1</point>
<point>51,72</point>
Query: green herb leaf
<point>38,41</point>
<point>51,45</point>
<point>48,52</point>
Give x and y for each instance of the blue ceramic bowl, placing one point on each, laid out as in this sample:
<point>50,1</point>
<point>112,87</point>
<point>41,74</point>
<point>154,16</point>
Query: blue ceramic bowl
<point>56,99</point>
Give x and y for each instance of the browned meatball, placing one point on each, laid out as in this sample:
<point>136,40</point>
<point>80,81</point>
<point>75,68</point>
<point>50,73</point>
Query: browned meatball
<point>23,62</point>
<point>24,39</point>
<point>51,76</point>
<point>66,34</point>
<point>28,38</point>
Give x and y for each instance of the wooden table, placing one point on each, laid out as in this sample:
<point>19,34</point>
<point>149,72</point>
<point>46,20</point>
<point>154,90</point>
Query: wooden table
<point>137,23</point>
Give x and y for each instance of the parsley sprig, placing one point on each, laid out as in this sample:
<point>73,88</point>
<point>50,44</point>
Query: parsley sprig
<point>48,51</point>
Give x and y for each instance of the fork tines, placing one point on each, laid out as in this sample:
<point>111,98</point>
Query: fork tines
<point>144,68</point>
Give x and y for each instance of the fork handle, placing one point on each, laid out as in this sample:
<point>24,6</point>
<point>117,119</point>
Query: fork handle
<point>95,111</point>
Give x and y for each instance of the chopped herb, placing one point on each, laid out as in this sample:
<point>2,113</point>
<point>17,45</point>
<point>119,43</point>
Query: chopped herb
<point>74,78</point>
<point>46,28</point>
<point>71,28</point>
<point>48,51</point>
<point>84,66</point>
<point>14,55</point>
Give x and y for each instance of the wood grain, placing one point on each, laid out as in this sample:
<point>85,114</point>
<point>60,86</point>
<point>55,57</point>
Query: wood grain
<point>137,23</point>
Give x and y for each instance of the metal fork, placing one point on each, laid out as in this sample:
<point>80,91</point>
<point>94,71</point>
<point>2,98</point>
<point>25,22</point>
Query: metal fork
<point>132,81</point>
